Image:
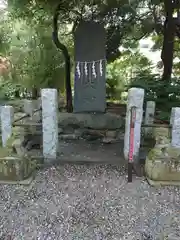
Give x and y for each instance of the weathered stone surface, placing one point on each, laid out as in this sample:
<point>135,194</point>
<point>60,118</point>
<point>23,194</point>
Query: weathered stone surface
<point>14,168</point>
<point>50,122</point>
<point>175,138</point>
<point>18,115</point>
<point>162,171</point>
<point>89,120</point>
<point>109,140</point>
<point>7,116</point>
<point>111,134</point>
<point>18,147</point>
<point>161,135</point>
<point>68,137</point>
<point>15,165</point>
<point>90,85</point>
<point>149,116</point>
<point>163,161</point>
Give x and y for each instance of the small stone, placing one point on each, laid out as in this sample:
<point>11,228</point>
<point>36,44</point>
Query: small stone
<point>68,137</point>
<point>108,140</point>
<point>111,134</point>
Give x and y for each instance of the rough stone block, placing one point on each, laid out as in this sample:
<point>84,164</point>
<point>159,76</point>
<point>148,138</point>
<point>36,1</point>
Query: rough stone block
<point>14,168</point>
<point>111,134</point>
<point>28,107</point>
<point>162,165</point>
<point>89,120</point>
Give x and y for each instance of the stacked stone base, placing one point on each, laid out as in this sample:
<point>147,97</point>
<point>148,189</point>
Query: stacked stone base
<point>162,165</point>
<point>16,170</point>
<point>162,173</point>
<point>16,164</point>
<point>105,127</point>
<point>163,183</point>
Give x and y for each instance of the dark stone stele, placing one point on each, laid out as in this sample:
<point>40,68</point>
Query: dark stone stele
<point>90,91</point>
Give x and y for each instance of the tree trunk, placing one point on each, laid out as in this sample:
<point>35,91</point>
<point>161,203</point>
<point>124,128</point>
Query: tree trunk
<point>168,48</point>
<point>64,50</point>
<point>68,85</point>
<point>168,42</point>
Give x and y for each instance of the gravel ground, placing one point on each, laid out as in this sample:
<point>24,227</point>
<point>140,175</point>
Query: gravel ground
<point>84,202</point>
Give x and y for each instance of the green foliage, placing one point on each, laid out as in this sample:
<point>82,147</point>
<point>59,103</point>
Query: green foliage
<point>5,31</point>
<point>121,72</point>
<point>8,89</point>
<point>124,21</point>
<point>154,87</point>
<point>115,82</point>
<point>36,61</point>
<point>26,39</point>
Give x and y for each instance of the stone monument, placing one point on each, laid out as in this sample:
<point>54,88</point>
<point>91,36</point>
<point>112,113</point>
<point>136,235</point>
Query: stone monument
<point>90,68</point>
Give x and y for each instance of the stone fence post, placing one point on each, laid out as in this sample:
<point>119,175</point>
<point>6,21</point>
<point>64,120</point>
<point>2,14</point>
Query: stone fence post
<point>135,98</point>
<point>50,123</point>
<point>7,118</point>
<point>28,106</point>
<point>175,121</point>
<point>172,115</point>
<point>149,116</point>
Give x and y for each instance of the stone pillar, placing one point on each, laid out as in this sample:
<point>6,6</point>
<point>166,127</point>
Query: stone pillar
<point>28,107</point>
<point>7,117</point>
<point>135,98</point>
<point>149,116</point>
<point>172,115</point>
<point>175,141</point>
<point>39,104</point>
<point>50,123</point>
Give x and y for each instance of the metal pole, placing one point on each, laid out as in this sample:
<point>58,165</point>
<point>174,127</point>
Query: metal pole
<point>131,143</point>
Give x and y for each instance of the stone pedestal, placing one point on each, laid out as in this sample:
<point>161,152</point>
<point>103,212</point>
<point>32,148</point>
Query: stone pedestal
<point>14,168</point>
<point>162,165</point>
<point>28,107</point>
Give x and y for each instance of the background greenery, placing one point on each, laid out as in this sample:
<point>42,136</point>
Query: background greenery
<point>35,62</point>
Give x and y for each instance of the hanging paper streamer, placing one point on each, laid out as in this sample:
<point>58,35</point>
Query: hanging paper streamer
<point>101,68</point>
<point>86,69</point>
<point>78,69</point>
<point>94,70</point>
<point>89,68</point>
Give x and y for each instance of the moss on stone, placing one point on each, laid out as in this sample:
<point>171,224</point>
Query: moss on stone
<point>15,168</point>
<point>8,150</point>
<point>163,161</point>
<point>163,132</point>
<point>154,154</point>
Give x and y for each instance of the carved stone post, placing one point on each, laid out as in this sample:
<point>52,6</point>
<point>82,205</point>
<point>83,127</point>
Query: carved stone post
<point>135,98</point>
<point>50,123</point>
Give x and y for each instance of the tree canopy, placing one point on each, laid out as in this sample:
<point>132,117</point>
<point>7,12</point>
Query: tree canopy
<point>26,40</point>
